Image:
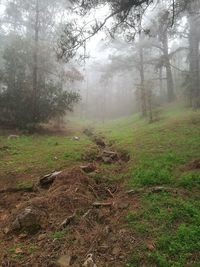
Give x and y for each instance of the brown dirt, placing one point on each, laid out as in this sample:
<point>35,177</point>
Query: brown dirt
<point>193,165</point>
<point>101,231</point>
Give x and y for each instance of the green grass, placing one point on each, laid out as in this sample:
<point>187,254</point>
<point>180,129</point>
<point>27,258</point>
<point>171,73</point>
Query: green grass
<point>159,149</point>
<point>31,156</point>
<point>58,235</point>
<point>158,153</point>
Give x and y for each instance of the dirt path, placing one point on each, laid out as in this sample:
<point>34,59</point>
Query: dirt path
<point>72,217</point>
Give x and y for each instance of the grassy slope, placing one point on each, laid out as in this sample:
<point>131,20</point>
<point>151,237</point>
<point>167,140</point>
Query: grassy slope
<point>168,224</point>
<point>31,156</point>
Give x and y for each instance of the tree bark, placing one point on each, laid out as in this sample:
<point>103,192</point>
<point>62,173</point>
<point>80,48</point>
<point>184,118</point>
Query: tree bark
<point>35,63</point>
<point>170,82</point>
<point>194,41</point>
<point>142,80</point>
<point>161,81</point>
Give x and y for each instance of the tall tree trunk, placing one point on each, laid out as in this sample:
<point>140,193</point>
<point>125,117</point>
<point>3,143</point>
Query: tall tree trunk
<point>142,85</point>
<point>170,82</point>
<point>194,40</point>
<point>161,81</point>
<point>35,63</point>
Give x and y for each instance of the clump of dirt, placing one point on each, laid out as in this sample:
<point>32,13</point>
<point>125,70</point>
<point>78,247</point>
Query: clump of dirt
<point>103,152</point>
<point>193,165</point>
<point>78,217</point>
<point>106,155</point>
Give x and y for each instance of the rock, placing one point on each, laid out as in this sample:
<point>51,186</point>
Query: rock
<point>64,261</point>
<point>76,138</point>
<point>48,179</point>
<point>123,206</point>
<point>28,219</point>
<point>150,245</point>
<point>89,168</point>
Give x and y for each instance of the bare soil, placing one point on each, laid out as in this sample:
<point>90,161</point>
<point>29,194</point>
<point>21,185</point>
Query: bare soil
<point>100,230</point>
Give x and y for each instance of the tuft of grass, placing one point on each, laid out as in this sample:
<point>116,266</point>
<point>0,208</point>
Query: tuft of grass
<point>190,180</point>
<point>57,235</point>
<point>24,185</point>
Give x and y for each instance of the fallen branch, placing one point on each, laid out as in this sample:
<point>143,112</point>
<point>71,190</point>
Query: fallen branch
<point>86,214</point>
<point>110,193</point>
<point>67,221</point>
<point>93,191</point>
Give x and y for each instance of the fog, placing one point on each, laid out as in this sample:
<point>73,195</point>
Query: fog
<point>99,133</point>
<point>99,59</point>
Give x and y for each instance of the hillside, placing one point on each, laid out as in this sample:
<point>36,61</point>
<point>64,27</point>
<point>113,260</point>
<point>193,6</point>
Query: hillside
<point>141,208</point>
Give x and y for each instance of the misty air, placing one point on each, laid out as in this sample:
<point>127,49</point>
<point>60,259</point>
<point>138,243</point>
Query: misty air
<point>99,133</point>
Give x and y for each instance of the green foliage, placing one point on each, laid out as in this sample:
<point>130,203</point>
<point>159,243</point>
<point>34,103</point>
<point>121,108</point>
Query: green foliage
<point>58,235</point>
<point>20,104</point>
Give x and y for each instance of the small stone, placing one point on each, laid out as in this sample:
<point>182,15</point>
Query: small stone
<point>64,261</point>
<point>150,246</point>
<point>27,219</point>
